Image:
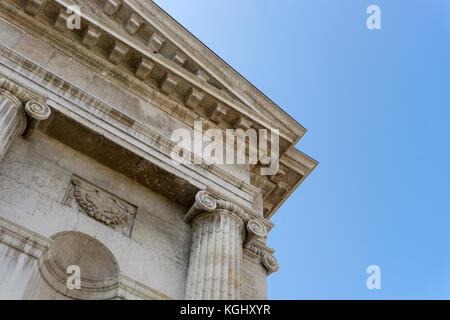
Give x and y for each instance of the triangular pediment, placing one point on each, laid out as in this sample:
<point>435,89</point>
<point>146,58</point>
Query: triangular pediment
<point>150,28</point>
<point>139,48</point>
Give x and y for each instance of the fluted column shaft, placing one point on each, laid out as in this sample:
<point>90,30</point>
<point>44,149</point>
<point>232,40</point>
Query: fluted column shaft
<point>215,267</point>
<point>13,120</point>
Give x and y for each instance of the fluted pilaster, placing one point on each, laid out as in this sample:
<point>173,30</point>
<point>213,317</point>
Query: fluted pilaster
<point>216,257</point>
<point>220,230</point>
<point>13,120</point>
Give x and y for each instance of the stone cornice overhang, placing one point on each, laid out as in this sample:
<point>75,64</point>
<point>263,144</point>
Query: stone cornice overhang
<point>275,189</point>
<point>184,74</point>
<point>294,162</point>
<point>303,165</point>
<point>214,65</point>
<point>85,109</point>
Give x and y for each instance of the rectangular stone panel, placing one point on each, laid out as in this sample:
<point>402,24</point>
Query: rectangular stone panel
<point>101,205</point>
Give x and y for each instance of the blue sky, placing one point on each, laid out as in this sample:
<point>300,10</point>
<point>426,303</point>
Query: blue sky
<point>377,109</point>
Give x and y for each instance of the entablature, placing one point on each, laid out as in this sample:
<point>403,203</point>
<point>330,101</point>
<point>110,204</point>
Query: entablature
<point>120,53</point>
<point>77,111</point>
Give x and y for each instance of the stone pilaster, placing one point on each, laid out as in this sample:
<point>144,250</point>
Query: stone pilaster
<point>215,267</point>
<point>220,231</point>
<point>215,271</point>
<point>13,120</point>
<point>16,119</point>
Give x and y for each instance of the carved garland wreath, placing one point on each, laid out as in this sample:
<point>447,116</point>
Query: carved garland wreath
<point>110,219</point>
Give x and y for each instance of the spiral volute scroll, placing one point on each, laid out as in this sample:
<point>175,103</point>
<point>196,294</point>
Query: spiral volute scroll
<point>37,110</point>
<point>270,263</point>
<point>205,201</point>
<point>256,228</point>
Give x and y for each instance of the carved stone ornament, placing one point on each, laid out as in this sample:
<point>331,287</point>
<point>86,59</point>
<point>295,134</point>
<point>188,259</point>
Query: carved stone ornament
<point>256,228</point>
<point>102,206</point>
<point>37,110</point>
<point>229,206</point>
<point>205,201</point>
<point>15,89</point>
<point>270,263</point>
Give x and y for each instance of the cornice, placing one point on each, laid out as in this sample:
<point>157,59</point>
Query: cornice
<point>76,45</point>
<point>302,164</point>
<point>23,94</point>
<point>130,289</point>
<point>213,64</point>
<point>22,239</point>
<point>298,161</point>
<point>131,127</point>
<point>137,48</point>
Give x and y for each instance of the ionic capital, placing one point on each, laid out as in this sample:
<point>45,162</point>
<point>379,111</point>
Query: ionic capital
<point>31,109</point>
<point>263,254</point>
<point>270,263</point>
<point>36,112</point>
<point>17,91</point>
<point>255,230</point>
<point>206,202</point>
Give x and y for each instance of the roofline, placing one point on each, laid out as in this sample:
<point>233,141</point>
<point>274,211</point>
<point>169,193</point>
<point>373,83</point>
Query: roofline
<point>294,125</point>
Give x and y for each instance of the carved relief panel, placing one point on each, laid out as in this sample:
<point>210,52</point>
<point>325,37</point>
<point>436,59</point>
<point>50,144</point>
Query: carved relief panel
<point>101,205</point>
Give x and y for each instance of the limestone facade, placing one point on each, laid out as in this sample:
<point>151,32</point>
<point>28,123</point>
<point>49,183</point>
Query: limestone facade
<point>86,175</point>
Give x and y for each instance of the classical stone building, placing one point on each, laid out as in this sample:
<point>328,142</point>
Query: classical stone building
<point>87,179</point>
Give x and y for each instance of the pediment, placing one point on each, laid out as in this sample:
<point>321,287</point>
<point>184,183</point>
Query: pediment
<point>150,28</point>
<point>136,45</point>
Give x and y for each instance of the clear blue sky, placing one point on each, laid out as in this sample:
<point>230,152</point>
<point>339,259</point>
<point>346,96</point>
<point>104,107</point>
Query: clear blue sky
<point>376,104</point>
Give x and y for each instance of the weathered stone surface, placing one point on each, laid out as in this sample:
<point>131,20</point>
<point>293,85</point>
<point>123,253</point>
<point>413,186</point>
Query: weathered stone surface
<point>217,261</point>
<point>91,36</point>
<point>35,200</point>
<point>216,258</point>
<point>242,123</point>
<point>134,23</point>
<point>118,53</point>
<point>14,284</point>
<point>112,6</point>
<point>156,42</point>
<point>120,159</point>
<point>12,120</point>
<point>180,58</point>
<point>70,69</point>
<point>34,7</point>
<point>202,75</point>
<point>10,35</point>
<point>168,84</point>
<point>217,112</point>
<point>144,68</point>
<point>35,49</point>
<point>254,275</point>
<point>193,98</point>
<point>117,90</point>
